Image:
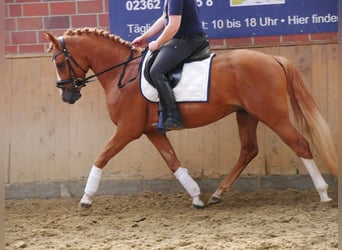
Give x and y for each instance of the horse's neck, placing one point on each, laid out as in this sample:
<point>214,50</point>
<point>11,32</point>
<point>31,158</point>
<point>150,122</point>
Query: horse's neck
<point>110,56</point>
<point>106,57</point>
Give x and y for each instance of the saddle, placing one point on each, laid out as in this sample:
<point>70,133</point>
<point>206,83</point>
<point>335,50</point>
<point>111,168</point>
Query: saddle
<point>175,74</point>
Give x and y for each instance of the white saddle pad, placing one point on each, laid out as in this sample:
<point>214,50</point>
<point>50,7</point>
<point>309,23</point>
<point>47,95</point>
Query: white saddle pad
<point>192,87</point>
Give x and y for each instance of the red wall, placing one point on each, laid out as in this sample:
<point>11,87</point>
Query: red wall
<point>26,21</point>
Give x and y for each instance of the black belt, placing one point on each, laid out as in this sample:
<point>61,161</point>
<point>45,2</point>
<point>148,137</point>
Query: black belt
<point>191,36</point>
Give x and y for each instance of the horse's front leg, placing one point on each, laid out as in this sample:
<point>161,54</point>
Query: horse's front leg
<point>164,147</point>
<point>117,142</point>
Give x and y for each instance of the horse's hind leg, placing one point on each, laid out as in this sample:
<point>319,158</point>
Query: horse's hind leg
<point>163,145</point>
<point>249,149</point>
<point>301,147</point>
<point>319,183</point>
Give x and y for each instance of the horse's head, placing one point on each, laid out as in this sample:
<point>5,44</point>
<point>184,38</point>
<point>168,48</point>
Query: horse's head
<point>70,69</point>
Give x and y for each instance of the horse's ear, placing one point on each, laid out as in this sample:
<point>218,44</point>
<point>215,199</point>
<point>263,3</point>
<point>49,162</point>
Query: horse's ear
<point>53,42</point>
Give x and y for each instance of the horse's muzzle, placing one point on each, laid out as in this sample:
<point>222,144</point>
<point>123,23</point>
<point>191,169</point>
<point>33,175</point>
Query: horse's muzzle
<point>70,95</point>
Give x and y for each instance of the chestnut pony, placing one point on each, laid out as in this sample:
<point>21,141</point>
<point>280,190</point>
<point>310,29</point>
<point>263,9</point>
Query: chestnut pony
<point>254,86</point>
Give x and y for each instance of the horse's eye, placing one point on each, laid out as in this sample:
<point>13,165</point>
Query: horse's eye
<point>60,66</point>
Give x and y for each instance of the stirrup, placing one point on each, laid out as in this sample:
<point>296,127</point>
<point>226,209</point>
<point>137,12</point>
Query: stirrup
<point>172,124</point>
<point>159,126</point>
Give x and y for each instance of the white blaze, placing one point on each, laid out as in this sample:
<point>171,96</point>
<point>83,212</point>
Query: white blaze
<point>58,77</point>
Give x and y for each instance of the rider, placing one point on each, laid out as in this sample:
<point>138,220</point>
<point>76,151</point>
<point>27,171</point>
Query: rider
<point>181,33</point>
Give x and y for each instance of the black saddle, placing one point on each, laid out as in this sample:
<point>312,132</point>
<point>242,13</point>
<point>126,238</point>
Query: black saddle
<point>175,74</point>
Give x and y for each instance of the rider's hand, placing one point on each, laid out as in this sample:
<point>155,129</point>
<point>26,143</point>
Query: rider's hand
<point>153,46</point>
<point>139,41</point>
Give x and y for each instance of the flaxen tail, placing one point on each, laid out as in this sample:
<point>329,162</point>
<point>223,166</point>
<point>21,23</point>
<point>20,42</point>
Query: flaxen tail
<point>308,117</point>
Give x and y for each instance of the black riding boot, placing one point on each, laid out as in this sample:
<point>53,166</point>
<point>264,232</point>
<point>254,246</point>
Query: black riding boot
<point>173,119</point>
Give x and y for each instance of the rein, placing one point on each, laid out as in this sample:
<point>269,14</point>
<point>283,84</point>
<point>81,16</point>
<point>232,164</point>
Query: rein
<point>78,82</point>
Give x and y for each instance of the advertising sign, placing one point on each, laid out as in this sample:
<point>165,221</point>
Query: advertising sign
<point>232,18</point>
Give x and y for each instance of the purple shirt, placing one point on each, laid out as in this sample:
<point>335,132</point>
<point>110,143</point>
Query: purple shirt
<point>188,9</point>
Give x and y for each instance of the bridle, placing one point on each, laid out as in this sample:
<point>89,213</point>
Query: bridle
<point>81,82</point>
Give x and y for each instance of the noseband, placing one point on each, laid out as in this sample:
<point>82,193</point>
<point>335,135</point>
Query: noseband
<point>79,82</point>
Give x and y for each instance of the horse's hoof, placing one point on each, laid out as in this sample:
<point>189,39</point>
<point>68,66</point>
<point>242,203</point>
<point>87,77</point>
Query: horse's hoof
<point>213,200</point>
<point>86,201</point>
<point>198,206</point>
<point>326,199</point>
<point>323,194</point>
<point>85,205</point>
<point>198,203</point>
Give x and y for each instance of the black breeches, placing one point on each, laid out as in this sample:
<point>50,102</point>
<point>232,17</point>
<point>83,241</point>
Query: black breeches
<point>171,54</point>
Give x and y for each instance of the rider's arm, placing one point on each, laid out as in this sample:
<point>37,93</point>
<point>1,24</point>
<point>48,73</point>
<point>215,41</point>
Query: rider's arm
<point>156,28</point>
<point>170,30</point>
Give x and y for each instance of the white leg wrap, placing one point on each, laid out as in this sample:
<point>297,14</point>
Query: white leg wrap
<point>190,186</point>
<point>93,181</point>
<point>319,183</point>
<point>92,185</point>
<point>187,182</point>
